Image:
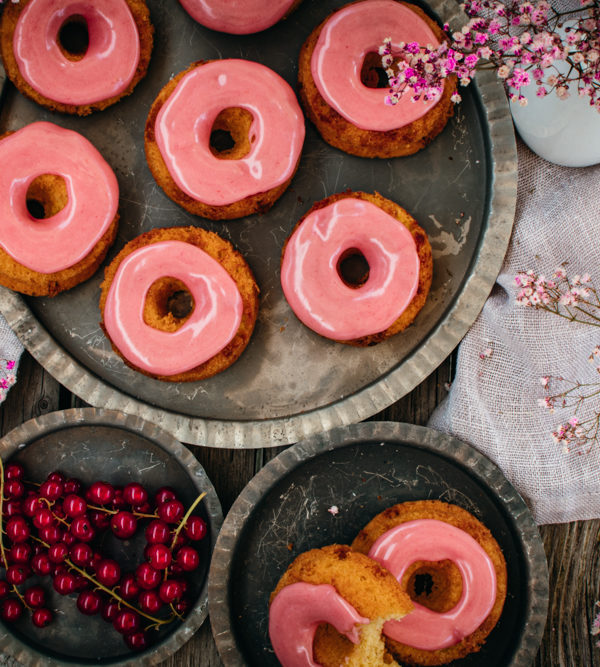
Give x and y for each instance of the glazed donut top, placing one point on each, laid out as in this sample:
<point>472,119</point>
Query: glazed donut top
<point>336,63</point>
<point>433,540</point>
<point>316,292</point>
<point>184,123</point>
<point>295,613</point>
<point>58,242</point>
<point>210,327</point>
<point>238,17</point>
<point>107,67</point>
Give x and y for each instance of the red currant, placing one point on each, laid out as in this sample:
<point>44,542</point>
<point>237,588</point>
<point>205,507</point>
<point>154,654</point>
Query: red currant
<point>126,621</point>
<point>13,507</point>
<point>82,529</point>
<point>100,493</point>
<point>164,494</point>
<point>118,502</point>
<point>129,588</point>
<point>108,572</point>
<point>31,504</point>
<point>17,574</point>
<point>89,602</point>
<point>110,610</point>
<point>195,528</point>
<point>81,554</point>
<point>42,517</point>
<point>56,476</point>
<point>137,641</point>
<point>187,558</point>
<point>74,505</point>
<point>150,602</point>
<point>14,471</point>
<point>5,588</point>
<point>35,596</point>
<point>135,494</point>
<point>17,529</point>
<point>19,553</point>
<point>10,610</point>
<point>157,532</point>
<point>170,590</point>
<point>51,489</point>
<point>51,534</point>
<point>41,617</point>
<point>171,511</point>
<point>64,583</point>
<point>41,564</point>
<point>159,556</point>
<point>73,485</point>
<point>14,488</point>
<point>123,524</point>
<point>147,577</point>
<point>58,552</point>
<point>99,519</point>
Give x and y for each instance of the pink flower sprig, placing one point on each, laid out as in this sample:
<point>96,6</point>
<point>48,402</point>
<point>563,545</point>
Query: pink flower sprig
<point>574,298</point>
<point>9,378</point>
<point>521,39</point>
<point>595,631</point>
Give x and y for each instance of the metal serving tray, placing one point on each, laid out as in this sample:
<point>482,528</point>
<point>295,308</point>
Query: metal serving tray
<point>289,383</point>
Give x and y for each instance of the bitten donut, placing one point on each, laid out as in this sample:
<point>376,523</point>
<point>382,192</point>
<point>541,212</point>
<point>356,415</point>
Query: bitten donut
<point>248,105</point>
<point>74,196</point>
<point>380,299</point>
<point>453,570</point>
<point>329,607</point>
<point>239,17</point>
<point>351,115</point>
<point>179,304</point>
<point>76,57</point>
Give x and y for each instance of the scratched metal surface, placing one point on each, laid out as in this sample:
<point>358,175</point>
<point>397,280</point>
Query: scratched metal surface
<point>363,469</point>
<point>289,383</point>
<point>93,444</point>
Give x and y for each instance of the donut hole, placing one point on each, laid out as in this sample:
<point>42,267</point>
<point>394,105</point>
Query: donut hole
<point>436,585</point>
<point>230,134</point>
<point>74,37</point>
<point>372,72</point>
<point>46,196</point>
<point>353,268</point>
<point>168,304</point>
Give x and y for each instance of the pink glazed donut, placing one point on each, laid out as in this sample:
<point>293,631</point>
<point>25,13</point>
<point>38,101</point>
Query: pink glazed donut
<point>397,268</point>
<point>77,195</point>
<point>76,57</point>
<point>262,115</point>
<point>238,17</point>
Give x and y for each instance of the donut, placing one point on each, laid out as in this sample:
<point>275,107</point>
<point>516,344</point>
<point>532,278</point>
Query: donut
<point>385,289</point>
<point>239,17</point>
<point>248,105</point>
<point>337,59</point>
<point>76,57</point>
<point>178,304</point>
<point>73,195</point>
<point>329,607</point>
<point>452,568</point>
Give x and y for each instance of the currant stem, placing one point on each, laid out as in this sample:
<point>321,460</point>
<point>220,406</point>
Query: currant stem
<point>186,516</point>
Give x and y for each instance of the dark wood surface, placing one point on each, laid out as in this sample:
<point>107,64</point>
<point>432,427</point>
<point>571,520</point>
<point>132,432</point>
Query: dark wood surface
<point>573,550</point>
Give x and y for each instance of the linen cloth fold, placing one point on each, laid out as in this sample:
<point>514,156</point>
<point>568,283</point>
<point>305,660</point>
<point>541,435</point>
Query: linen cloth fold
<point>493,401</point>
<point>10,355</point>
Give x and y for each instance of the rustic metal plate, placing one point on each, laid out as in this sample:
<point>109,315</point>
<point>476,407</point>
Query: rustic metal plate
<point>363,469</point>
<point>289,383</point>
<point>93,444</point>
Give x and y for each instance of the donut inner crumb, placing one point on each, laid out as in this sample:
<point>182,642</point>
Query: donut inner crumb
<point>372,73</point>
<point>168,304</point>
<point>436,585</point>
<point>46,196</point>
<point>231,136</point>
<point>73,37</point>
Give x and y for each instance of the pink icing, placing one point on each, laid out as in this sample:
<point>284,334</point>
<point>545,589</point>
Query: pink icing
<point>213,323</point>
<point>337,59</point>
<point>432,540</point>
<point>238,17</point>
<point>184,124</point>
<point>55,243</point>
<point>311,282</point>
<point>106,69</point>
<point>296,612</point>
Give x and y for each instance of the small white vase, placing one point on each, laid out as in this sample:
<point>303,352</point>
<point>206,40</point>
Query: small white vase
<point>565,132</point>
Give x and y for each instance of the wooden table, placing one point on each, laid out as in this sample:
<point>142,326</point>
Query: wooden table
<point>573,550</point>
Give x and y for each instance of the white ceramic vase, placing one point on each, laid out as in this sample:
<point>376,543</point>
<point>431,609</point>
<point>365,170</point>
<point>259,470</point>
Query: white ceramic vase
<point>565,132</point>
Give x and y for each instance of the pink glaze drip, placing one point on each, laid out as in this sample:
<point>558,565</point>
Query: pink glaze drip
<point>55,243</point>
<point>338,57</point>
<point>213,323</point>
<point>106,69</point>
<point>432,540</point>
<point>184,124</point>
<point>311,282</point>
<point>237,17</point>
<point>296,612</point>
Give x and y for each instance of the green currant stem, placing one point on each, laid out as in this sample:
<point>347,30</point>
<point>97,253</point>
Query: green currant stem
<point>186,516</point>
<point>97,584</point>
<point>141,515</point>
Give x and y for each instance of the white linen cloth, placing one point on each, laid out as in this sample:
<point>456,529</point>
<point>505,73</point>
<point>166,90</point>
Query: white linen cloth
<point>493,400</point>
<point>10,351</point>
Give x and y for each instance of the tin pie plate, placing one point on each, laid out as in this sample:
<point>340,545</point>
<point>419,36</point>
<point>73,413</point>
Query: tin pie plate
<point>289,383</point>
<point>108,445</point>
<point>325,489</point>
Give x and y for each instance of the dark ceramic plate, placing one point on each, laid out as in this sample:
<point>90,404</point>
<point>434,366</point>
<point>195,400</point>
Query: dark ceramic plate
<point>363,469</point>
<point>290,383</point>
<point>95,444</point>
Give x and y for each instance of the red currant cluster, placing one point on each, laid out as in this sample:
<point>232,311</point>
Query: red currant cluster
<point>53,529</point>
